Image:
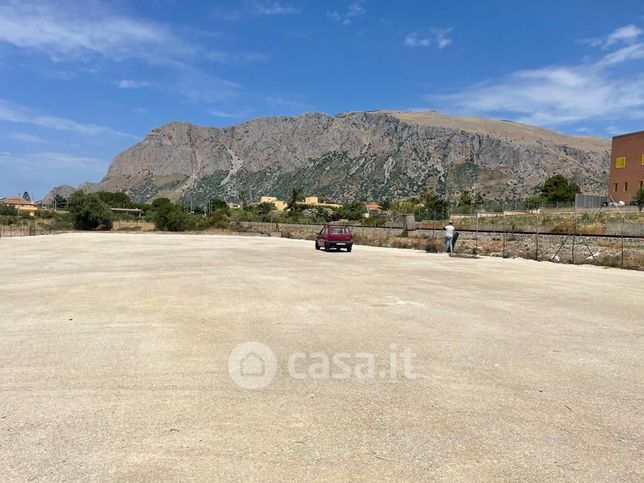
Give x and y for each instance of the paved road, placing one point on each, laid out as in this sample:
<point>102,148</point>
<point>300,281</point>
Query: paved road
<point>114,363</point>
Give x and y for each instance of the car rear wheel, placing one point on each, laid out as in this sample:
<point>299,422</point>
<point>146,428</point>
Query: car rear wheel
<point>327,247</point>
<point>349,248</point>
<point>317,246</point>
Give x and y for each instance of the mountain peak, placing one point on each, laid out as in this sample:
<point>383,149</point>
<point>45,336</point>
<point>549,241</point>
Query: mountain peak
<point>354,155</point>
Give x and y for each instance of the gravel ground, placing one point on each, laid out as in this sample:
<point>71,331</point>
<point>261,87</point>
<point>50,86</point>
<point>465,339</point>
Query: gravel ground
<point>114,363</point>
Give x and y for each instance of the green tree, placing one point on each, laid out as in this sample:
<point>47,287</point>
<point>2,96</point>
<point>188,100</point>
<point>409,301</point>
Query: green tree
<point>169,216</point>
<point>8,210</point>
<point>478,201</point>
<point>558,189</point>
<point>159,202</point>
<point>115,199</point>
<point>60,202</point>
<point>352,211</point>
<point>296,195</point>
<point>265,208</point>
<point>216,204</point>
<point>639,198</point>
<point>89,212</point>
<point>465,202</point>
<point>434,207</point>
<point>242,196</point>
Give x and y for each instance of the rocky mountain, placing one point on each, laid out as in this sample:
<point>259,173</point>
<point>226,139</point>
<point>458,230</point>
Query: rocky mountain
<point>354,156</point>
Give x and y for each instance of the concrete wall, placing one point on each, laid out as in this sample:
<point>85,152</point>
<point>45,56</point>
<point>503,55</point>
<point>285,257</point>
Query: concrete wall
<point>630,229</point>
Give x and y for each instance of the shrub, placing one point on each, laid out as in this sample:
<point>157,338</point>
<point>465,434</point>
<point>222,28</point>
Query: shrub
<point>89,212</point>
<point>217,204</point>
<point>219,218</point>
<point>375,221</point>
<point>432,247</point>
<point>8,210</point>
<point>352,211</point>
<point>170,217</point>
<point>115,199</point>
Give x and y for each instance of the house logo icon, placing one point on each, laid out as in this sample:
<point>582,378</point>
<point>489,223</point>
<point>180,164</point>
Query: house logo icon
<point>252,365</point>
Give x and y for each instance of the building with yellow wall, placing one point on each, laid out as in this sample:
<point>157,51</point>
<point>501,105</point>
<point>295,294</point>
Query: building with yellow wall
<point>309,200</point>
<point>20,204</point>
<point>279,204</point>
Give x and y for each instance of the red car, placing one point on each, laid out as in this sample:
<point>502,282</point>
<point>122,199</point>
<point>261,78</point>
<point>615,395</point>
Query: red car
<point>334,236</point>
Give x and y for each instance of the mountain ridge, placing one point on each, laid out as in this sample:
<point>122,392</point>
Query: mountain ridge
<point>354,156</point>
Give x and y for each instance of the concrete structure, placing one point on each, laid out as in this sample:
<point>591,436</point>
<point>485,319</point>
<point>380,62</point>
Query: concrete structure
<point>589,201</point>
<point>127,211</point>
<point>20,204</point>
<point>114,354</point>
<point>626,166</point>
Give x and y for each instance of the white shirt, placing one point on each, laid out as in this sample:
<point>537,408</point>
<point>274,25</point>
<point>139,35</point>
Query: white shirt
<point>449,231</point>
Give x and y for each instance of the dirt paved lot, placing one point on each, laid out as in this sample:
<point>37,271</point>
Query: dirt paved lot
<point>114,363</point>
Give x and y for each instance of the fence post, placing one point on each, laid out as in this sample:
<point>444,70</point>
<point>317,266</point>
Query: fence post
<point>574,231</point>
<point>476,238</point>
<point>622,263</point>
<point>503,238</point>
<point>536,239</point>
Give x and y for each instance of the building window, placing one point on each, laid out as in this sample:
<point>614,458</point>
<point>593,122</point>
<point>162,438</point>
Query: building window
<point>615,188</point>
<point>625,185</point>
<point>642,159</point>
<point>620,162</point>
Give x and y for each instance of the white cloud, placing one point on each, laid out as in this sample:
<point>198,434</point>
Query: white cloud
<point>229,115</point>
<point>270,8</point>
<point>554,96</point>
<point>414,40</point>
<point>627,34</point>
<point>75,29</point>
<point>132,84</point>
<point>294,104</point>
<point>17,114</point>
<point>625,54</point>
<point>235,57</point>
<point>52,160</point>
<point>346,18</point>
<point>199,87</point>
<point>27,138</point>
<point>435,36</point>
<point>254,9</point>
<point>623,35</point>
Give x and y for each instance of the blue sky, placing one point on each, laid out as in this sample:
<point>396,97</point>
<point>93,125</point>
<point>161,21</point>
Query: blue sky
<point>81,80</point>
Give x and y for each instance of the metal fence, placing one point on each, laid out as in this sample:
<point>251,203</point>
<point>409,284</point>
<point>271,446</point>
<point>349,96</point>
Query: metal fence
<point>22,229</point>
<point>503,241</point>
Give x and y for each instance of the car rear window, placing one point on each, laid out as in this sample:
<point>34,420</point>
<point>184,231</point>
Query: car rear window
<point>340,230</point>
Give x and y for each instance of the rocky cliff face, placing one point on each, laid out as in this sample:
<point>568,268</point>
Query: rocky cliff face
<point>354,156</point>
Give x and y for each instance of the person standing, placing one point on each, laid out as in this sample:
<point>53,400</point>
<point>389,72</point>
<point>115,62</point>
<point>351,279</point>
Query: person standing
<point>449,238</point>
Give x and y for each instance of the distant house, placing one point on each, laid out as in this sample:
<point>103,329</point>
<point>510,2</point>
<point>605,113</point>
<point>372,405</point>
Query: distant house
<point>315,201</point>
<point>20,204</point>
<point>309,200</point>
<point>373,209</point>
